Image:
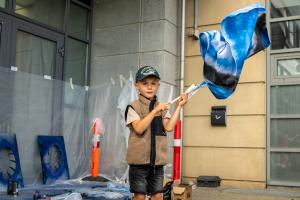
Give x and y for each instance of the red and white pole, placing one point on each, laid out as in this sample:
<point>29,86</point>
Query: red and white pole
<point>177,146</point>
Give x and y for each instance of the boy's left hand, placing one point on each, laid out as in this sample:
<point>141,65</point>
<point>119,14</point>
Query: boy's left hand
<point>183,100</point>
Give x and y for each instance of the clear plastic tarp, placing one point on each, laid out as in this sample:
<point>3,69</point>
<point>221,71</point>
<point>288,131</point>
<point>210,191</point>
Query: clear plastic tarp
<point>32,105</point>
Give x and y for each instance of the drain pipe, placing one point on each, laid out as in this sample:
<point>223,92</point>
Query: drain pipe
<point>196,32</point>
<point>195,15</point>
<point>182,60</point>
<point>182,74</point>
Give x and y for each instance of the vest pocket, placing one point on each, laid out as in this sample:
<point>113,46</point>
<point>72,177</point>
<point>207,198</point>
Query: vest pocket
<point>158,127</point>
<point>136,153</point>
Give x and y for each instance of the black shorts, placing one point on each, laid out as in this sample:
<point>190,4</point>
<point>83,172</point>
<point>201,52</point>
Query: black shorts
<point>145,179</point>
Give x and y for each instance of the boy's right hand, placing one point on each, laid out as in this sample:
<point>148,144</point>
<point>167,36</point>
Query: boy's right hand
<point>161,107</point>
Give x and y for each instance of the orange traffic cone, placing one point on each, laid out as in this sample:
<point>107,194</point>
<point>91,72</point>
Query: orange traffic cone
<point>97,125</point>
<point>97,130</point>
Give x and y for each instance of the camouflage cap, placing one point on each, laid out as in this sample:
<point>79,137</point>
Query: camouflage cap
<point>146,71</point>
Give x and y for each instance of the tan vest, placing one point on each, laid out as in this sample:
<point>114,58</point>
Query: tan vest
<point>139,145</point>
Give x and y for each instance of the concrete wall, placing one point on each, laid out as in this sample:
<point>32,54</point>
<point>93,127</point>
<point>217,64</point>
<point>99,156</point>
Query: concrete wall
<point>131,33</point>
<point>236,153</point>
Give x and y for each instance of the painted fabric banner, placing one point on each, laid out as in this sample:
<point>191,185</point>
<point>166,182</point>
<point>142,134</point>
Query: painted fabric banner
<point>243,34</point>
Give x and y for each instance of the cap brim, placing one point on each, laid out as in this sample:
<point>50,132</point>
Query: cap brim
<point>153,75</point>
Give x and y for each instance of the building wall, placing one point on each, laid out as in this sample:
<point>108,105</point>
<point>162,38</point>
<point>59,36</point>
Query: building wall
<point>236,153</point>
<point>131,33</point>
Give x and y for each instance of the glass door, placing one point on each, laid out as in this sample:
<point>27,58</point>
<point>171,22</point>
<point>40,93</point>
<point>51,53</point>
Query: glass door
<point>284,93</point>
<point>285,119</point>
<point>38,58</point>
<point>2,3</point>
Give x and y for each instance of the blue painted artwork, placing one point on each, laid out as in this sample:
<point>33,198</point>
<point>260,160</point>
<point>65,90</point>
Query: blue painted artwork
<point>243,33</point>
<point>10,168</point>
<point>53,158</point>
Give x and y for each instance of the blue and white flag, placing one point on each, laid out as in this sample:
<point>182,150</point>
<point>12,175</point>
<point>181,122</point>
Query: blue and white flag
<point>243,34</point>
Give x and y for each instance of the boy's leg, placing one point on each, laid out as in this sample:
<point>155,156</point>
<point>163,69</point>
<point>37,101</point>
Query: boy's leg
<point>157,196</point>
<point>137,196</point>
<point>155,183</point>
<point>138,181</point>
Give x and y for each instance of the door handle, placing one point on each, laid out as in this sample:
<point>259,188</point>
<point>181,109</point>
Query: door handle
<point>61,51</point>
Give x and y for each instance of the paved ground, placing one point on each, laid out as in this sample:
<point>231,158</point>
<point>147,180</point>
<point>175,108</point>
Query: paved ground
<point>245,194</point>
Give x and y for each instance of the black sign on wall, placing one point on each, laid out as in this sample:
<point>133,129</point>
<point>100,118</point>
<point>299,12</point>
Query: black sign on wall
<point>218,115</point>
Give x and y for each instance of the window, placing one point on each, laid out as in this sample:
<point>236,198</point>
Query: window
<point>290,128</point>
<point>288,67</point>
<point>76,60</point>
<point>285,68</point>
<point>284,167</point>
<point>50,21</point>
<point>77,44</point>
<point>49,12</point>
<point>285,100</point>
<point>78,22</point>
<point>284,8</point>
<point>35,54</point>
<point>285,35</point>
<point>285,24</point>
<point>2,3</point>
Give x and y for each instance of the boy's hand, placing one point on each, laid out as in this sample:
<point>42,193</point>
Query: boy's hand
<point>183,100</point>
<point>161,107</point>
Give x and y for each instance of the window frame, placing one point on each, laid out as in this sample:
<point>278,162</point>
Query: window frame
<point>279,19</point>
<point>10,14</point>
<point>86,57</point>
<point>32,29</point>
<point>88,39</point>
<point>282,80</point>
<point>284,19</point>
<point>272,80</point>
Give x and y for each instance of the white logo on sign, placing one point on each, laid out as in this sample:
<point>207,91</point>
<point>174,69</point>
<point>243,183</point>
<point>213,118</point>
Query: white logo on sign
<point>218,117</point>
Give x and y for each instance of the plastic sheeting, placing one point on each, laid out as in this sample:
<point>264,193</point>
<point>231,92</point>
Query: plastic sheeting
<point>32,105</point>
<point>109,103</point>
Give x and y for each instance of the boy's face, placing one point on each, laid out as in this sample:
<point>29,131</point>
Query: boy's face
<point>148,87</point>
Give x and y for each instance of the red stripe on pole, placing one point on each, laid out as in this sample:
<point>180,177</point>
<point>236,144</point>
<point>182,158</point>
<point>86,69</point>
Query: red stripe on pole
<point>176,158</point>
<point>177,131</point>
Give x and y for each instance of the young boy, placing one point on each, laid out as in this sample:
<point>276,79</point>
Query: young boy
<point>148,121</point>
